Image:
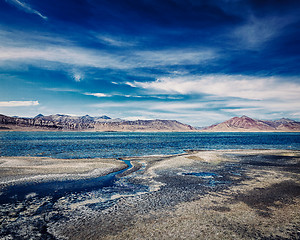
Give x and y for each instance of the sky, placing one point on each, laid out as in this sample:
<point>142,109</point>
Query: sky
<point>198,62</point>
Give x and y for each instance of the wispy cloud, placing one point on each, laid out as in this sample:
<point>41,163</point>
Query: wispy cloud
<point>97,94</point>
<point>248,87</point>
<point>61,89</point>
<point>258,31</point>
<point>113,41</point>
<point>124,95</point>
<point>26,7</point>
<point>18,103</point>
<point>57,55</point>
<point>175,56</point>
<point>78,91</point>
<point>54,54</point>
<point>10,37</point>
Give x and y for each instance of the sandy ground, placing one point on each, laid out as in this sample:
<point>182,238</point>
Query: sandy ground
<point>23,169</point>
<point>242,194</point>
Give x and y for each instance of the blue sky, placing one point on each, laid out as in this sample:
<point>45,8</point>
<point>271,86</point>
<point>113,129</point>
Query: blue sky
<point>199,62</point>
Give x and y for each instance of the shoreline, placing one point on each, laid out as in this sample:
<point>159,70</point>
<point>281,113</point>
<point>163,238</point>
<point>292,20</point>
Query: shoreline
<point>22,169</point>
<point>211,194</point>
<point>29,129</point>
<point>138,131</point>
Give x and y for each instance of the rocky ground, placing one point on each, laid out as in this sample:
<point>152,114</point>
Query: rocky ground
<point>244,194</point>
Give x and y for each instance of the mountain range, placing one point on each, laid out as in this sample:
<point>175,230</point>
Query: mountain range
<point>104,123</point>
<point>247,124</point>
<point>88,123</point>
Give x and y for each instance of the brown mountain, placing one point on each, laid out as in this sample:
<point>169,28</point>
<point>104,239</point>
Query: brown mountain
<point>247,124</point>
<point>88,123</point>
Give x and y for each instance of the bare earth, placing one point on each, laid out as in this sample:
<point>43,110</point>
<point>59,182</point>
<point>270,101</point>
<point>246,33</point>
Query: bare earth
<point>232,194</point>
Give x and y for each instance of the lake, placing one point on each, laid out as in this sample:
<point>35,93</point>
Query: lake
<point>117,144</point>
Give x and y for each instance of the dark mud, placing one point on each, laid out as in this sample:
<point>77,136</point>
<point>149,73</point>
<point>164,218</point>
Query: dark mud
<point>284,163</point>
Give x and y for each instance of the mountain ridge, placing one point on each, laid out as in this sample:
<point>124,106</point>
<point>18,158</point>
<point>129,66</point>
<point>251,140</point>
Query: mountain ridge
<point>247,124</point>
<point>61,122</point>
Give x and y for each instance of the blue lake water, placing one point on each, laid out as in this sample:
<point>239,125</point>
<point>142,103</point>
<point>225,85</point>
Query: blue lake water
<point>116,144</point>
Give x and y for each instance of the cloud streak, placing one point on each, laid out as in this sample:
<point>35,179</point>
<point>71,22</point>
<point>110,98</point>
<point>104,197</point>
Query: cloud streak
<point>108,40</point>
<point>18,103</point>
<point>97,94</point>
<point>61,89</point>
<point>78,56</point>
<point>26,7</point>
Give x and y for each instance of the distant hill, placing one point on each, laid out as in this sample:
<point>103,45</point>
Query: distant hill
<point>87,123</point>
<point>247,124</point>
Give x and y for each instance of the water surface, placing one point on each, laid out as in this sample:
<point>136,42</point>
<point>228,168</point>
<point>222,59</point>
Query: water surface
<point>116,144</point>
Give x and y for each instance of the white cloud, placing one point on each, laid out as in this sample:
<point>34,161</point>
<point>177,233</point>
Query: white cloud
<point>26,7</point>
<point>97,94</point>
<point>225,96</point>
<point>164,97</point>
<point>18,103</point>
<point>255,88</point>
<point>77,77</point>
<point>131,84</point>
